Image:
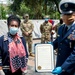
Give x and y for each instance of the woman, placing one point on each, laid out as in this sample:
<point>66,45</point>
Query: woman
<point>13,51</point>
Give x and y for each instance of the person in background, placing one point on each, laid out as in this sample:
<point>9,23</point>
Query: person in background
<point>59,24</point>
<point>51,21</point>
<point>65,42</point>
<point>45,30</point>
<point>27,29</point>
<point>55,27</point>
<point>13,51</point>
<point>53,33</point>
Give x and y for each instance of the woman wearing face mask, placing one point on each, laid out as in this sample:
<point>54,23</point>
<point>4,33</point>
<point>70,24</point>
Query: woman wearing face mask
<point>13,51</point>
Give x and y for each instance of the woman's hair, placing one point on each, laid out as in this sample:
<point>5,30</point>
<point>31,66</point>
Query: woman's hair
<point>13,18</point>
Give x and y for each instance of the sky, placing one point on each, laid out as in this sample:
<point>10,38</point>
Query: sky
<point>3,1</point>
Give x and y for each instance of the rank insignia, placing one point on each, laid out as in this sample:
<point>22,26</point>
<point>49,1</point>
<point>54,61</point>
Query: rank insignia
<point>72,35</point>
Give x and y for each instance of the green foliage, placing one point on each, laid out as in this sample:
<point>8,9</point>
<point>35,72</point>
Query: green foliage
<point>24,9</point>
<point>2,12</point>
<point>37,9</point>
<point>15,7</point>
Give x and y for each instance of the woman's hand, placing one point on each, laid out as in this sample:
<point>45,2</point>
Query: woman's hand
<point>2,72</point>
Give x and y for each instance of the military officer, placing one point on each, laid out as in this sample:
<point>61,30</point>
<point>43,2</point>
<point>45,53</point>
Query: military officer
<point>27,28</point>
<point>45,30</point>
<point>65,41</point>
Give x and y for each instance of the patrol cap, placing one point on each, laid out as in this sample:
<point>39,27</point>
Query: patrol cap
<point>46,17</point>
<point>26,15</point>
<point>67,6</point>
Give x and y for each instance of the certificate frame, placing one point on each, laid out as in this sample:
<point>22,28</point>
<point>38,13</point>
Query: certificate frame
<point>44,60</point>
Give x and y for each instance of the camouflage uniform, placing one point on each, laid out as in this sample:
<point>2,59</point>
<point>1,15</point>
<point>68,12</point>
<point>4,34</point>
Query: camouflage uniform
<point>45,30</point>
<point>58,25</point>
<point>28,27</point>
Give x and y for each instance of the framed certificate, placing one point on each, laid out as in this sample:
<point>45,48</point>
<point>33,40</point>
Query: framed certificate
<point>44,59</point>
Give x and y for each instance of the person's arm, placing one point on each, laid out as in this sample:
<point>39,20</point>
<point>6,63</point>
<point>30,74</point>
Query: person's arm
<point>22,28</point>
<point>1,69</point>
<point>41,28</point>
<point>50,27</point>
<point>24,43</point>
<point>69,62</point>
<point>31,29</point>
<point>68,65</point>
<point>55,42</point>
<point>1,39</point>
<point>0,59</point>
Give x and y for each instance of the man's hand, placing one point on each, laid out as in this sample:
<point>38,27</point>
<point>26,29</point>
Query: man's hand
<point>57,70</point>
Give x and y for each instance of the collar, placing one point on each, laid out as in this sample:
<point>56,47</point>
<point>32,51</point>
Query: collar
<point>7,35</point>
<point>69,26</point>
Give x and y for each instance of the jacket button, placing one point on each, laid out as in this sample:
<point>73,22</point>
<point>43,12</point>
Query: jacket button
<point>59,54</point>
<point>60,43</point>
<point>59,48</point>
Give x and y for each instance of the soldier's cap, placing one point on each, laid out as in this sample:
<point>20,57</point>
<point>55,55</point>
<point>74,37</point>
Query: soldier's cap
<point>67,6</point>
<point>46,17</point>
<point>26,15</point>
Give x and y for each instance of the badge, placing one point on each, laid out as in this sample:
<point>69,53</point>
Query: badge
<point>39,67</point>
<point>66,5</point>
<point>72,35</point>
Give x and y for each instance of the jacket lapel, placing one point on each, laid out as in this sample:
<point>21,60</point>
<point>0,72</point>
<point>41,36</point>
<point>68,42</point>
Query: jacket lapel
<point>60,32</point>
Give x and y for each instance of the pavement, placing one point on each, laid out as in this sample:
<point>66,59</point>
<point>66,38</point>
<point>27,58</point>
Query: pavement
<point>31,68</point>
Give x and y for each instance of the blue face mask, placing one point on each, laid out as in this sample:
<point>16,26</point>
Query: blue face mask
<point>13,30</point>
<point>46,19</point>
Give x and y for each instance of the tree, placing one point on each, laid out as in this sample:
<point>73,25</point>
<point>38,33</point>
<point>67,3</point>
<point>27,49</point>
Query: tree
<point>24,9</point>
<point>36,8</point>
<point>16,6</point>
<point>2,12</point>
